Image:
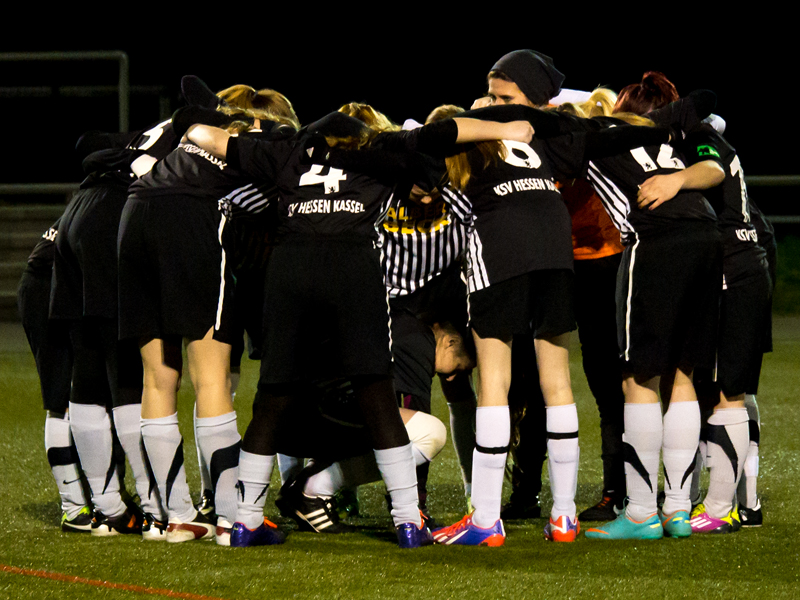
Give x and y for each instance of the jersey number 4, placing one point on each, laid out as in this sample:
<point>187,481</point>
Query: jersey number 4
<point>330,180</point>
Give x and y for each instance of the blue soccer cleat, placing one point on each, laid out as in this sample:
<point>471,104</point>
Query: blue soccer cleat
<point>677,525</point>
<point>266,534</point>
<point>410,535</point>
<point>466,533</point>
<point>625,528</point>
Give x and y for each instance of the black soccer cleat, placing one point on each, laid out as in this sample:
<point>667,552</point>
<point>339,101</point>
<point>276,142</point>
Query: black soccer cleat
<point>608,509</point>
<point>751,517</point>
<point>316,514</point>
<point>130,521</point>
<point>81,523</point>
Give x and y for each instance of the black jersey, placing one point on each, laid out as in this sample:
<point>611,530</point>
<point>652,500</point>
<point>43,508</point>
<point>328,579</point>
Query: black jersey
<point>40,260</point>
<point>158,141</point>
<point>315,199</point>
<point>519,221</point>
<point>743,256</point>
<point>617,178</point>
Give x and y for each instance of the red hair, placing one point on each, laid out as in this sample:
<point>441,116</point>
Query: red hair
<point>655,91</point>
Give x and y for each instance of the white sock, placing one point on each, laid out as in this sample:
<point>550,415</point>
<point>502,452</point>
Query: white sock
<point>680,442</point>
<point>289,466</point>
<point>219,441</point>
<point>748,485</point>
<point>728,443</point>
<point>255,471</point>
<point>462,429</point>
<point>91,430</point>
<point>205,475</point>
<point>699,461</point>
<point>63,458</point>
<point>563,456</point>
<point>642,438</point>
<point>492,436</point>
<point>164,446</point>
<point>399,473</point>
<point>128,424</point>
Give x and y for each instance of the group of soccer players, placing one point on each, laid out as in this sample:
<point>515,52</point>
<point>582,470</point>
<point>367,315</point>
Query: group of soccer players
<point>481,229</point>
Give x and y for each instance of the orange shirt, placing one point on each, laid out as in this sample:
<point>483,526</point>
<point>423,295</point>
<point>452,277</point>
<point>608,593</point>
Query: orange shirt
<point>593,233</point>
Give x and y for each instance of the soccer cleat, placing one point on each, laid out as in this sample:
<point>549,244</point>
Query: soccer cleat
<point>346,503</point>
<point>199,528</point>
<point>128,522</point>
<point>625,528</point>
<point>466,533</point>
<point>563,529</point>
<point>702,522</point>
<point>223,532</point>
<point>153,530</point>
<point>677,525</point>
<point>81,523</point>
<point>519,509</point>
<point>206,505</point>
<point>316,514</point>
<point>266,534</point>
<point>751,517</point>
<point>608,509</point>
<point>411,535</point>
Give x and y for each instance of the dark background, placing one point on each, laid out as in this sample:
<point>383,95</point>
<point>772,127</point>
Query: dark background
<point>404,70</point>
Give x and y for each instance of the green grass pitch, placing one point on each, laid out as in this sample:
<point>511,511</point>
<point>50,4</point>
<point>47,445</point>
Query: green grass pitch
<point>751,564</point>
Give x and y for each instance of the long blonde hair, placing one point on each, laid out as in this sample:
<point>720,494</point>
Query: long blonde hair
<point>265,104</point>
<point>376,123</point>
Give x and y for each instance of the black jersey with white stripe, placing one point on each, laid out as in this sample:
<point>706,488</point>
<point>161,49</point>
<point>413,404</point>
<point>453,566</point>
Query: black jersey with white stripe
<point>519,220</point>
<point>743,256</point>
<point>315,199</point>
<point>616,179</point>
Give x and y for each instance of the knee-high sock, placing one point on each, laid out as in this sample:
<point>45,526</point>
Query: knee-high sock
<point>255,471</point>
<point>91,430</point>
<point>399,473</point>
<point>205,475</point>
<point>563,455</point>
<point>63,458</point>
<point>289,466</point>
<point>748,485</point>
<point>699,462</point>
<point>728,443</point>
<point>642,446</point>
<point>164,446</point>
<point>128,424</point>
<point>680,442</point>
<point>492,436</point>
<point>219,442</point>
<point>462,429</point>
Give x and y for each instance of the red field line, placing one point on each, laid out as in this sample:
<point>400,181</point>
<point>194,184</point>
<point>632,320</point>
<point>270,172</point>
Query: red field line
<point>105,584</point>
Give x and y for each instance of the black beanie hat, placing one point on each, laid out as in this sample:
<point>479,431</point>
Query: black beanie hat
<point>534,74</point>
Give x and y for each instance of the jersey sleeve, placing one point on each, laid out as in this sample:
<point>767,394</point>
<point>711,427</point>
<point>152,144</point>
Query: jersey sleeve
<point>700,146</point>
<point>259,158</point>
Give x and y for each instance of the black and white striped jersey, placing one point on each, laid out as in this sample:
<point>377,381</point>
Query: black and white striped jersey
<point>616,179</point>
<point>743,256</point>
<point>419,243</point>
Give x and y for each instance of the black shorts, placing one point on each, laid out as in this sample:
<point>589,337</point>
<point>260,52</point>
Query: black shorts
<point>742,321</point>
<point>85,263</point>
<point>414,352</point>
<point>668,290</point>
<point>49,341</point>
<point>174,277</point>
<point>324,288</point>
<point>540,302</point>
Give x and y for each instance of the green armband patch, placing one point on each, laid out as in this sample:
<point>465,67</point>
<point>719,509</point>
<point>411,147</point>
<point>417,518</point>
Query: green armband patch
<point>707,151</point>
